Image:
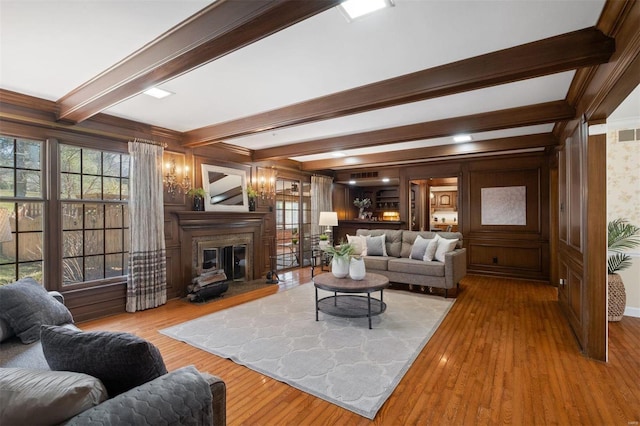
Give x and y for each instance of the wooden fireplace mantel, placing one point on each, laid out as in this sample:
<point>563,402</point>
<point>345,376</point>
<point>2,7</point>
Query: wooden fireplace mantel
<point>194,219</point>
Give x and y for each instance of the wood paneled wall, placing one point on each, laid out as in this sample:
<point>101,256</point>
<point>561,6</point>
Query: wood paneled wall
<point>508,250</point>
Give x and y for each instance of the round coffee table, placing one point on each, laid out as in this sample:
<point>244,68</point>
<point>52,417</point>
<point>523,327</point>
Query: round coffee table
<point>350,305</point>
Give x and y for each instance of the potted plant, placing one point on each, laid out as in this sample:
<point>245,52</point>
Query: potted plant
<point>198,195</point>
<point>340,260</point>
<point>323,240</point>
<point>252,194</point>
<point>621,236</point>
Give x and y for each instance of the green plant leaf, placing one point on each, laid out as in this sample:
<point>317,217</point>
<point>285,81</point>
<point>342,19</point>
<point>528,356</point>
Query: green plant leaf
<point>618,262</point>
<point>621,235</point>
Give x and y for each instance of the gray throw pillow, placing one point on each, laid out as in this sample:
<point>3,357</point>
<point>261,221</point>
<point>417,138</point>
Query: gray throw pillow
<point>120,360</point>
<point>25,305</point>
<point>376,246</point>
<point>419,247</point>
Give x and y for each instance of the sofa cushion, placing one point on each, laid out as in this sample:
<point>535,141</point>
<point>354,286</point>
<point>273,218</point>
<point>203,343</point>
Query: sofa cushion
<point>376,246</point>
<point>418,248</point>
<point>409,237</point>
<point>393,239</point>
<point>417,267</point>
<point>25,305</point>
<point>121,360</point>
<point>46,397</point>
<point>378,263</point>
<point>359,243</point>
<point>444,247</point>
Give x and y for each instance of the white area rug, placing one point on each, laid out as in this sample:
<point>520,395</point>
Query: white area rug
<point>337,359</point>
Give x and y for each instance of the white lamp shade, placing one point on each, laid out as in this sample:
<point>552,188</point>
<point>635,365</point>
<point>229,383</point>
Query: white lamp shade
<point>328,219</point>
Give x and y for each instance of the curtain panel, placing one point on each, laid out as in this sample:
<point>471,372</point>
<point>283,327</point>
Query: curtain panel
<point>147,279</point>
<point>320,200</point>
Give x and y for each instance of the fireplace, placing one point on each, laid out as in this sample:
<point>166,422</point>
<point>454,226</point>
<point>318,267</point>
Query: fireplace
<point>233,253</point>
<point>231,241</point>
<point>231,259</point>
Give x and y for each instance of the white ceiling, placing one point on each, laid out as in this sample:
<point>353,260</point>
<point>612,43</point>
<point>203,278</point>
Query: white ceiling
<point>48,48</point>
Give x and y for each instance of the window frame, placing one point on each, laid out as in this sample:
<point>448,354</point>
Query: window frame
<point>58,203</point>
<point>16,200</point>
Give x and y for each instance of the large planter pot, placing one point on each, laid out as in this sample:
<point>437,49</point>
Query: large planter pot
<point>617,297</point>
<point>340,266</point>
<point>356,269</point>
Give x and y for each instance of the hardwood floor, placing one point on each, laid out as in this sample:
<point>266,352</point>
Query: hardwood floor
<point>503,355</point>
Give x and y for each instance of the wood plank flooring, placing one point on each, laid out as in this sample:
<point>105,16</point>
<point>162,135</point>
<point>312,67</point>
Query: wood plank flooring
<point>503,355</point>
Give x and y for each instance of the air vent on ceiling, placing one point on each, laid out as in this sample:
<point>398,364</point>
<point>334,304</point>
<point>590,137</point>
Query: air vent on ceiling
<point>364,175</point>
<point>629,135</point>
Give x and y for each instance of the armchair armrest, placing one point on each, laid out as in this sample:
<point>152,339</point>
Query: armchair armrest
<point>182,396</point>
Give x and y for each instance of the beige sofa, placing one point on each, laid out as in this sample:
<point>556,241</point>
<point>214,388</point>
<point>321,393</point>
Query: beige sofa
<point>400,268</point>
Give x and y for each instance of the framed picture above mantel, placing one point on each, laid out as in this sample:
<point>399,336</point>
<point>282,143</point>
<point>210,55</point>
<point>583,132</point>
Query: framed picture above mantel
<point>226,188</point>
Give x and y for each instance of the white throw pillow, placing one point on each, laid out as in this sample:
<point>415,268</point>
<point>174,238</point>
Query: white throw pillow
<point>444,246</point>
<point>430,252</point>
<point>359,243</point>
<point>31,396</point>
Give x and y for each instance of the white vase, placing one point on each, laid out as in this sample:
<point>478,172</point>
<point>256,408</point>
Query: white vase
<point>356,269</point>
<point>323,243</point>
<point>340,266</point>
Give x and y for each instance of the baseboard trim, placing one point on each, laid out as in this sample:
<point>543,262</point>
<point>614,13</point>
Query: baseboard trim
<point>632,312</point>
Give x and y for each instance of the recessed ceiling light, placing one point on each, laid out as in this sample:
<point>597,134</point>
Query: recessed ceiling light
<point>462,138</point>
<point>338,154</point>
<point>157,93</point>
<point>353,9</point>
<point>385,180</point>
<point>352,182</point>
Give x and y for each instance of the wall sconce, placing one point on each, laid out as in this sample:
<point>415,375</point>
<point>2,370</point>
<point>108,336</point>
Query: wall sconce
<point>267,182</point>
<point>5,226</point>
<point>172,182</point>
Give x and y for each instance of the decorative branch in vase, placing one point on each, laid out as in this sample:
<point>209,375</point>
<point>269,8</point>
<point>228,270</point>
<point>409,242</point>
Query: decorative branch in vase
<point>362,205</point>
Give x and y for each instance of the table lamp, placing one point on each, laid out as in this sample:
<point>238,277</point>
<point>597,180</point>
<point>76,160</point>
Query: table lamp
<point>328,219</point>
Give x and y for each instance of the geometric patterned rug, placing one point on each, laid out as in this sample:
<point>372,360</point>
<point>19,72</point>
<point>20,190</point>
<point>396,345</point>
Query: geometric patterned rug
<point>337,359</point>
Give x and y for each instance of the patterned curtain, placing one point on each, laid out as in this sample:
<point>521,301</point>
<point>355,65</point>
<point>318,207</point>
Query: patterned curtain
<point>147,279</point>
<point>320,200</point>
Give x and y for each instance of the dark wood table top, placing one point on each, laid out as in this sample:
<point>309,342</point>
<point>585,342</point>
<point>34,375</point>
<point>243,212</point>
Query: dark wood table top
<point>370,283</point>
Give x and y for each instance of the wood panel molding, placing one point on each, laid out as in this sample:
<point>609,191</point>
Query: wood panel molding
<point>216,30</point>
<point>556,54</point>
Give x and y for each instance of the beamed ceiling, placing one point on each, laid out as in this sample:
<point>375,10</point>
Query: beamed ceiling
<point>294,80</point>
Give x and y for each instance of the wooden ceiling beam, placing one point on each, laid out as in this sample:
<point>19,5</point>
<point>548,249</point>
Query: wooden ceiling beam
<point>547,112</point>
<point>568,51</point>
<point>213,32</point>
<point>435,152</point>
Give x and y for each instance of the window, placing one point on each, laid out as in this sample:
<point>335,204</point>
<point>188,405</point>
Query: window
<point>94,191</point>
<point>21,209</point>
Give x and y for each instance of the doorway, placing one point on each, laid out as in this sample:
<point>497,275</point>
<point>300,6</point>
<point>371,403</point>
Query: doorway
<point>433,204</point>
<point>293,223</point>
